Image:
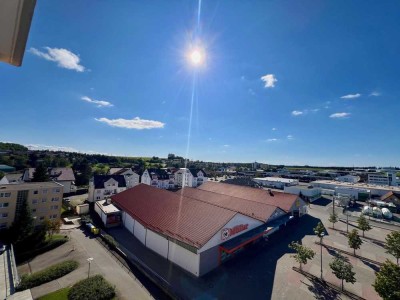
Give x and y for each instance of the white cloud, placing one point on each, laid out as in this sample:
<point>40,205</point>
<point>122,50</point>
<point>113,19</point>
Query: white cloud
<point>226,145</point>
<point>273,129</point>
<point>269,80</point>
<point>63,57</point>
<point>315,110</point>
<point>135,123</point>
<point>290,137</point>
<point>272,140</point>
<point>375,94</point>
<point>351,96</point>
<point>251,92</point>
<point>50,148</point>
<point>297,113</point>
<point>99,103</point>
<point>339,115</point>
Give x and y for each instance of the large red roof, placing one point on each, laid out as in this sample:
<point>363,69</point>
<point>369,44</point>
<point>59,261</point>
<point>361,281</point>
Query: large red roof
<point>282,200</point>
<point>191,221</point>
<point>256,210</point>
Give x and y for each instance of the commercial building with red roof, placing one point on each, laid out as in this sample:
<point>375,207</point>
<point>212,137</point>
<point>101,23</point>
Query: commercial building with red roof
<point>197,229</point>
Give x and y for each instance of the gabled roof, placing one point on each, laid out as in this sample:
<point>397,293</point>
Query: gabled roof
<point>62,174</point>
<point>256,210</point>
<point>188,220</point>
<point>195,171</point>
<point>13,177</point>
<point>389,194</point>
<point>99,180</point>
<point>282,200</point>
<point>161,174</point>
<point>114,170</point>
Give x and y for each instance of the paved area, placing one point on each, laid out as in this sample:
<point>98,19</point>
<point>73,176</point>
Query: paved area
<point>264,271</point>
<point>80,248</point>
<point>5,280</point>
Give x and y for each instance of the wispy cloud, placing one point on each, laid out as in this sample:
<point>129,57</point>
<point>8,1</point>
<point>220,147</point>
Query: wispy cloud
<point>99,103</point>
<point>251,92</point>
<point>274,129</point>
<point>227,146</point>
<point>135,123</point>
<point>375,94</point>
<point>341,115</point>
<point>290,137</point>
<point>272,140</point>
<point>297,113</point>
<point>51,148</point>
<point>351,96</point>
<point>269,80</point>
<point>63,57</point>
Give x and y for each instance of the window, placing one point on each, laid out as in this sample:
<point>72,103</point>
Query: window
<point>41,218</point>
<point>34,201</point>
<point>34,210</point>
<point>56,190</point>
<point>3,225</point>
<point>54,207</point>
<point>35,192</point>
<point>45,191</point>
<point>3,215</point>
<point>97,198</point>
<point>44,200</point>
<point>55,199</point>
<point>3,204</point>
<point>5,195</point>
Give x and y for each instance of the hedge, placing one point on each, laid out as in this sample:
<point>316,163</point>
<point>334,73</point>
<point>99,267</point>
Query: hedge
<point>112,243</point>
<point>50,245</point>
<point>51,273</point>
<point>93,288</point>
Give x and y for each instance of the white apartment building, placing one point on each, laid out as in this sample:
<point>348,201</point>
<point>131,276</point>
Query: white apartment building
<point>160,178</point>
<point>131,177</point>
<point>104,186</point>
<point>189,177</point>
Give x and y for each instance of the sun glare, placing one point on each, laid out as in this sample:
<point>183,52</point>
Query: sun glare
<point>196,57</point>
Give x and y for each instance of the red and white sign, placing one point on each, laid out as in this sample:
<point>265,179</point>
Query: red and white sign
<point>228,232</point>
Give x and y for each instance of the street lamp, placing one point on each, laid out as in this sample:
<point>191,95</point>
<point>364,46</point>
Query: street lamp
<point>89,261</point>
<point>321,237</point>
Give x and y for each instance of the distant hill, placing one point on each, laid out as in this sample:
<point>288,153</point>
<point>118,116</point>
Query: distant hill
<point>12,147</point>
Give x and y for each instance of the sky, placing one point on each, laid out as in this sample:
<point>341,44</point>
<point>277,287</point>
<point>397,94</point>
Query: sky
<point>279,82</point>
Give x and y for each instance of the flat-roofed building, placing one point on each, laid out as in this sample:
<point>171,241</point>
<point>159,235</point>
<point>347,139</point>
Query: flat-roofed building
<point>306,192</point>
<point>44,200</point>
<point>276,182</point>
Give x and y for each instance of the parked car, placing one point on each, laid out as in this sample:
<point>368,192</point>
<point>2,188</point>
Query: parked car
<point>2,248</point>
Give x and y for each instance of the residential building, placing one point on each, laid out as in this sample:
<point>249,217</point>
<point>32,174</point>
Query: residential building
<point>198,229</point>
<point>160,178</point>
<point>132,178</point>
<point>276,182</point>
<point>104,186</point>
<point>64,176</point>
<point>348,178</point>
<point>189,177</point>
<point>12,178</point>
<point>44,199</point>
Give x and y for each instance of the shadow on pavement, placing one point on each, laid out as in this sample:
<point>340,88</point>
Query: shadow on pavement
<point>374,267</point>
<point>249,275</point>
<point>322,291</point>
<point>322,202</point>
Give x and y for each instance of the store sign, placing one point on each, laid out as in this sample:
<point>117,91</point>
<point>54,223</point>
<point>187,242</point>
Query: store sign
<point>228,232</point>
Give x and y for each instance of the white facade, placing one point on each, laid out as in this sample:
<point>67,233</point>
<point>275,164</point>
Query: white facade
<point>184,177</point>
<point>348,178</point>
<point>310,193</point>
<point>156,181</point>
<point>110,188</point>
<point>385,178</point>
<point>276,182</point>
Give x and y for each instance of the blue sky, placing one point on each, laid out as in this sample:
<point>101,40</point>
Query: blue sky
<point>283,82</point>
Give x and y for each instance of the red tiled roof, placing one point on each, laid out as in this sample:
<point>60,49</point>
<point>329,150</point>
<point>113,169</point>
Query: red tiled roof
<point>256,210</point>
<point>282,200</point>
<point>186,219</point>
<point>389,194</point>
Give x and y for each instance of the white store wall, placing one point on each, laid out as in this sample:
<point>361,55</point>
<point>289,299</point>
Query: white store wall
<point>184,258</point>
<point>157,243</point>
<point>140,232</point>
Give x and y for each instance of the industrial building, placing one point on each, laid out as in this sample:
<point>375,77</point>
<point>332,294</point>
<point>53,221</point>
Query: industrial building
<point>374,190</point>
<point>307,192</point>
<point>276,182</point>
<point>198,229</point>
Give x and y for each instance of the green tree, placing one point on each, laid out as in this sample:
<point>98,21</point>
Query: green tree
<point>343,270</point>
<point>40,174</point>
<point>354,240</point>
<point>23,226</point>
<point>319,229</point>
<point>393,244</point>
<point>303,253</point>
<point>363,224</point>
<point>387,281</point>
<point>333,218</point>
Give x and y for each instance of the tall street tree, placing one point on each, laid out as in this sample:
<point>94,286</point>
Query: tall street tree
<point>333,218</point>
<point>354,240</point>
<point>23,225</point>
<point>343,270</point>
<point>393,245</point>
<point>303,253</point>
<point>40,174</point>
<point>363,224</point>
<point>387,281</point>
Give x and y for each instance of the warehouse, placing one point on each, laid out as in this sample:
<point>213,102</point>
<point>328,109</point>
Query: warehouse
<point>307,192</point>
<point>200,230</point>
<point>276,182</point>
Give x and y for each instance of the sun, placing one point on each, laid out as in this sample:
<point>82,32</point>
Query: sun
<point>196,57</point>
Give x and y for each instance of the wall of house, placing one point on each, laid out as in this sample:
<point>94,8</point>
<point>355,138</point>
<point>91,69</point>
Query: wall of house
<point>128,221</point>
<point>157,243</point>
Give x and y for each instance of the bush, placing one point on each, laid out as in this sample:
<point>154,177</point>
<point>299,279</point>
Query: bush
<point>93,288</point>
<point>54,272</point>
<point>111,242</point>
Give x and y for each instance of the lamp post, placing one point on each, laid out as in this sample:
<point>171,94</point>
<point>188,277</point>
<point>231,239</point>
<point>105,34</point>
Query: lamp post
<point>89,261</point>
<point>321,237</point>
<point>347,222</point>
